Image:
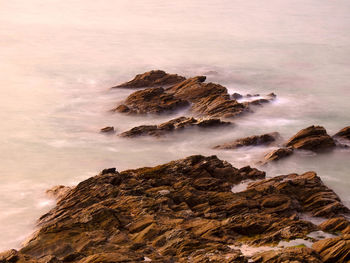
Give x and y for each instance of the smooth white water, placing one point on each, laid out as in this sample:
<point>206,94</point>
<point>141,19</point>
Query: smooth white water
<point>59,58</point>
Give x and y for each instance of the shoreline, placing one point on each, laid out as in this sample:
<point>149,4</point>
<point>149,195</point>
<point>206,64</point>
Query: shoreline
<point>185,210</point>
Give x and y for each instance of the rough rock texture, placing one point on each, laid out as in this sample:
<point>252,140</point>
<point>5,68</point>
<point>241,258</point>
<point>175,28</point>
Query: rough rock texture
<point>336,225</point>
<point>152,79</point>
<point>278,154</point>
<point>334,249</point>
<point>288,255</point>
<point>152,100</point>
<point>58,192</point>
<point>182,211</point>
<point>172,125</point>
<point>255,140</point>
<point>206,99</point>
<point>343,134</point>
<point>312,195</point>
<point>313,138</point>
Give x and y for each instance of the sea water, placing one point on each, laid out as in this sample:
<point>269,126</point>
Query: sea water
<point>58,60</point>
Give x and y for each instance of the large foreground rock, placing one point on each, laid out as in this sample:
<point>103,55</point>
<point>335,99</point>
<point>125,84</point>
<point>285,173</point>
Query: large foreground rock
<point>182,211</point>
<point>152,78</point>
<point>171,126</point>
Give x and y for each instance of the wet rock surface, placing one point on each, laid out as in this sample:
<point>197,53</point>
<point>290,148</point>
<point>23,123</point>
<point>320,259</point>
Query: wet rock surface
<point>334,249</point>
<point>342,137</point>
<point>278,154</point>
<point>108,130</point>
<point>183,211</point>
<point>173,125</point>
<point>256,140</point>
<point>313,138</point>
<point>292,254</point>
<point>204,99</point>
<point>152,100</point>
<point>152,78</point>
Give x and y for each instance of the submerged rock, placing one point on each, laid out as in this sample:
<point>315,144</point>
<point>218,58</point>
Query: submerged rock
<point>265,139</point>
<point>172,125</point>
<point>152,79</point>
<point>58,192</point>
<point>178,212</point>
<point>237,96</point>
<point>108,129</point>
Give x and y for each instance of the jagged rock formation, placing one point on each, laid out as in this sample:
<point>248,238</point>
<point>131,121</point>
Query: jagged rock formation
<point>334,249</point>
<point>152,100</point>
<point>256,140</point>
<point>152,78</point>
<point>313,138</point>
<point>183,211</point>
<point>171,126</point>
<point>204,99</point>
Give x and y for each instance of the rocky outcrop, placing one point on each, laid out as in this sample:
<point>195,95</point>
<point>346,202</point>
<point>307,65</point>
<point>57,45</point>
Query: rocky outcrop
<point>182,211</point>
<point>343,134</point>
<point>152,78</point>
<point>311,194</point>
<point>152,100</point>
<point>336,225</point>
<point>256,140</point>
<point>313,138</point>
<point>171,126</point>
<point>278,154</point>
<point>206,99</point>
<point>108,130</point>
<point>334,249</point>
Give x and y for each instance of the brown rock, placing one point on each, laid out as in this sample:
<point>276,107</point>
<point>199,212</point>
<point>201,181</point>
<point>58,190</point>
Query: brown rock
<point>180,211</point>
<point>152,79</point>
<point>278,154</point>
<point>172,125</point>
<point>308,190</point>
<point>108,129</point>
<point>334,249</point>
<point>337,224</point>
<point>152,100</point>
<point>207,99</point>
<point>237,96</point>
<point>292,255</point>
<point>343,133</point>
<point>255,140</point>
<point>313,138</point>
<point>58,192</point>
